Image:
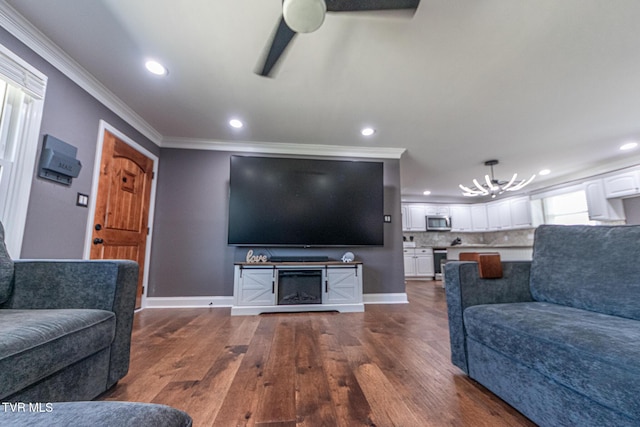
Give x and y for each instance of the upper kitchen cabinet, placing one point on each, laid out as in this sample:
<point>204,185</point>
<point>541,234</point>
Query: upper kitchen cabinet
<point>479,218</point>
<point>413,218</point>
<point>600,208</point>
<point>499,214</point>
<point>622,185</point>
<point>509,214</point>
<point>437,210</point>
<point>461,218</point>
<point>520,209</point>
<point>504,214</point>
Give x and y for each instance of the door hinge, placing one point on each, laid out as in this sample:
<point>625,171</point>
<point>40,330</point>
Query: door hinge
<point>153,175</point>
<point>148,231</point>
<point>143,290</point>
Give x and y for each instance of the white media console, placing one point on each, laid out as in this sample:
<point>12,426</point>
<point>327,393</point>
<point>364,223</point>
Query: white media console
<point>269,287</point>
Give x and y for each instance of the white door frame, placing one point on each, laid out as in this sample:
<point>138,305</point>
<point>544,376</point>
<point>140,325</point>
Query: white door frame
<point>104,126</point>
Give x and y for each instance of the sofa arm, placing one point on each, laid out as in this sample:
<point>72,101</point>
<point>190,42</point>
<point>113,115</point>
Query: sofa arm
<point>464,288</point>
<point>106,285</point>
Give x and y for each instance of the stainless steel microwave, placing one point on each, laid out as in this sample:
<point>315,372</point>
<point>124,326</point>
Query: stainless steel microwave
<point>438,222</point>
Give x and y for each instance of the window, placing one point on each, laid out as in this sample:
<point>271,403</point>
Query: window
<point>567,209</point>
<point>22,91</point>
<point>14,104</point>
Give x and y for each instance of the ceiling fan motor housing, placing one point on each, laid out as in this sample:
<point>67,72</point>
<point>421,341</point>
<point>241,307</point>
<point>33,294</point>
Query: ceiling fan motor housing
<point>304,16</point>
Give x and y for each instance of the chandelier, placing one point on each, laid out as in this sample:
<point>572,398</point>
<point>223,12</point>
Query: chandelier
<point>492,186</point>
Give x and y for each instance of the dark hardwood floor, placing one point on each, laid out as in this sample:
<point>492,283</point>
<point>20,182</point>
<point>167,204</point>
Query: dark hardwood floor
<point>388,366</point>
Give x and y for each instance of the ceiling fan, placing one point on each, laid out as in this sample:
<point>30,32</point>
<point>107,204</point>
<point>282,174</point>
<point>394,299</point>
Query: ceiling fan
<point>306,16</point>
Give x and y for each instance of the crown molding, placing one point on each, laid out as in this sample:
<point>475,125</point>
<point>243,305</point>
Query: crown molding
<point>34,39</point>
<point>283,148</point>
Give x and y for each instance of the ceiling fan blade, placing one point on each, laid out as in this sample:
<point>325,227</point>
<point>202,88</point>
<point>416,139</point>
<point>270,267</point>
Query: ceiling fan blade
<point>282,36</point>
<point>358,5</point>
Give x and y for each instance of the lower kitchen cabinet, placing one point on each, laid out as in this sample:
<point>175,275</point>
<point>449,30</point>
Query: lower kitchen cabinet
<point>418,262</point>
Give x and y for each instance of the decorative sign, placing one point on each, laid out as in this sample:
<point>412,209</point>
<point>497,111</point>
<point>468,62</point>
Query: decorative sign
<point>251,258</point>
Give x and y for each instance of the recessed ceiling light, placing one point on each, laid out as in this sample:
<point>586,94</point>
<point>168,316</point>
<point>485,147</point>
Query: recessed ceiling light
<point>629,145</point>
<point>368,131</point>
<point>156,68</point>
<point>235,123</point>
<point>426,193</point>
<point>544,172</point>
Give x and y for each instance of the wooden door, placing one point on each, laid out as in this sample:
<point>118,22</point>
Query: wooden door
<point>122,205</point>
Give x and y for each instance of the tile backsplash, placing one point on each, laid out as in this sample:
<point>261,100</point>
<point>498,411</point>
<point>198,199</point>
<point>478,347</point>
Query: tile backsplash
<point>445,238</point>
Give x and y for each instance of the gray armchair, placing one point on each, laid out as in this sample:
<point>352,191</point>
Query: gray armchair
<point>65,327</point>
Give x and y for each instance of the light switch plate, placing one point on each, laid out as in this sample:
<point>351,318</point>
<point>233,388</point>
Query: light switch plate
<point>82,200</point>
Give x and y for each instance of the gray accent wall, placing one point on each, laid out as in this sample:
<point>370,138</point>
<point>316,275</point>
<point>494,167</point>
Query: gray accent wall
<point>55,226</point>
<point>190,255</point>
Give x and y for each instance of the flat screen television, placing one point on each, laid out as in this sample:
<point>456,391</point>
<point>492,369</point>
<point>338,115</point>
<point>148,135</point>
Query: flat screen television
<point>305,202</point>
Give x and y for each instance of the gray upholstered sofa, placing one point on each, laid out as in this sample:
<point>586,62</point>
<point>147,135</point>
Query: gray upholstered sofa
<point>65,327</point>
<point>558,338</point>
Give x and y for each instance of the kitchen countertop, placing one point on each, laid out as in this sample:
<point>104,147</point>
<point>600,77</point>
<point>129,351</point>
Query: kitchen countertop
<point>507,252</point>
<point>484,245</point>
<point>471,246</point>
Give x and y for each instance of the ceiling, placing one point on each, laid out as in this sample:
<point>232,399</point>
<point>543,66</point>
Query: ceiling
<point>536,84</point>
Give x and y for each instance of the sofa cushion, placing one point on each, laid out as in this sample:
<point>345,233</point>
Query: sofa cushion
<point>591,267</point>
<point>595,354</point>
<point>99,414</point>
<point>37,343</point>
<point>6,269</point>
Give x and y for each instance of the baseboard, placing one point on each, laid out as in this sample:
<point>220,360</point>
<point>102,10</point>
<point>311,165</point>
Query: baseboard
<point>399,298</point>
<point>187,302</point>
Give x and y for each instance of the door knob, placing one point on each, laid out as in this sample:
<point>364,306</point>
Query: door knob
<point>97,241</point>
<point>98,227</point>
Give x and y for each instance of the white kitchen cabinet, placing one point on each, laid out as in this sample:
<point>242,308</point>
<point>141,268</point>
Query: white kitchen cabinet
<point>622,185</point>
<point>600,208</point>
<point>342,286</point>
<point>520,212</point>
<point>413,218</point>
<point>504,215</point>
<point>404,214</point>
<point>460,218</point>
<point>424,264</point>
<point>509,214</point>
<point>499,215</point>
<point>437,210</point>
<point>409,262</point>
<point>493,217</point>
<point>255,286</point>
<point>419,262</point>
<point>479,218</point>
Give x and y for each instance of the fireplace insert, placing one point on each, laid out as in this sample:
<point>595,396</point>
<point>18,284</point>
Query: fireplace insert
<point>302,286</point>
